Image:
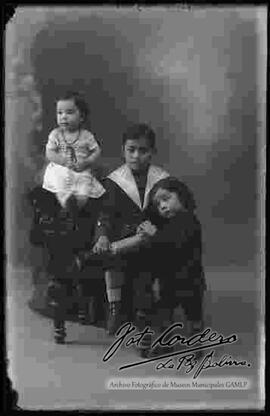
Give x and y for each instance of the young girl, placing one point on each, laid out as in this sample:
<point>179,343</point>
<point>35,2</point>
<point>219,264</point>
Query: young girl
<point>72,151</point>
<point>176,252</point>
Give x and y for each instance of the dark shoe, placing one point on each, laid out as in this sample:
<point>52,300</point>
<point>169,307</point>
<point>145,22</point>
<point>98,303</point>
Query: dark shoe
<point>114,319</point>
<point>142,321</point>
<point>87,313</point>
<point>144,347</point>
<point>196,326</point>
<point>59,332</point>
<point>82,317</point>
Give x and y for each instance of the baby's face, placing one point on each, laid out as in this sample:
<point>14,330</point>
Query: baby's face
<point>167,203</point>
<point>137,154</point>
<point>68,115</point>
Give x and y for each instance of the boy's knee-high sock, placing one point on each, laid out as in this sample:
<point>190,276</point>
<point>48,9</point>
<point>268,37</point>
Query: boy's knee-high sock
<point>114,281</point>
<point>114,295</point>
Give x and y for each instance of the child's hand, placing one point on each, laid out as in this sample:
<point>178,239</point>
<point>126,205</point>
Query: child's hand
<point>79,166</point>
<point>78,263</point>
<point>71,165</point>
<point>147,228</point>
<point>102,245</point>
<point>156,290</point>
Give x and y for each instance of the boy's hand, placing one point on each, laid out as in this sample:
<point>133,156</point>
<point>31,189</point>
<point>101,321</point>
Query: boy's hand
<point>147,228</point>
<point>156,290</point>
<point>102,245</point>
<point>78,263</point>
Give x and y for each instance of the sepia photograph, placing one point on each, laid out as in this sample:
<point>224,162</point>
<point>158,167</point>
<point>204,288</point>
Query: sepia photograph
<point>135,159</point>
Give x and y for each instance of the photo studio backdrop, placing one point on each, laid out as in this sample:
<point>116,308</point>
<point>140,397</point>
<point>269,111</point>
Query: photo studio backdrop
<point>196,75</point>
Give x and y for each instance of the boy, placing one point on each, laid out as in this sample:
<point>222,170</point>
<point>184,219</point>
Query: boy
<point>124,209</point>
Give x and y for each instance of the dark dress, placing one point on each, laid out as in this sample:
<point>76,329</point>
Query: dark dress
<point>177,263</point>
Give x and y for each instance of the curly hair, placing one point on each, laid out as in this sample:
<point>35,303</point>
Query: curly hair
<point>173,184</point>
<point>79,101</point>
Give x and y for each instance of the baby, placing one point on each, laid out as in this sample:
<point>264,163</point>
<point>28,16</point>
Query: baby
<point>71,151</point>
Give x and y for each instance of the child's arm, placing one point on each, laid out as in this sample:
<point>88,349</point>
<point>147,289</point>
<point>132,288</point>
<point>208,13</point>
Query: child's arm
<point>93,149</point>
<point>128,244</point>
<point>147,229</point>
<point>55,156</point>
<point>105,219</point>
<point>107,250</point>
<point>143,235</point>
<point>125,245</point>
<point>102,245</point>
<point>102,231</point>
<point>81,165</point>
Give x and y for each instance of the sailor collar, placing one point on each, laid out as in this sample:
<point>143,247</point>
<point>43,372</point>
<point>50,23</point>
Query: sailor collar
<point>124,178</point>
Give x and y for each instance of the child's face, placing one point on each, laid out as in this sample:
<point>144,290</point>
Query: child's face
<point>68,115</point>
<point>138,154</point>
<point>167,203</point>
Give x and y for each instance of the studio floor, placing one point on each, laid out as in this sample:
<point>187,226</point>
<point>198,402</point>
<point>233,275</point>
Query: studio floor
<point>74,376</point>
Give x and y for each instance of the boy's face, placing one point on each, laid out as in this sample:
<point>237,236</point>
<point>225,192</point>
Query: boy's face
<point>167,203</point>
<point>138,154</point>
<point>68,115</point>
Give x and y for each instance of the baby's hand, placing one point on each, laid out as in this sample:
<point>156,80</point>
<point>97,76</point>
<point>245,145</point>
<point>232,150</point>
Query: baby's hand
<point>147,228</point>
<point>102,245</point>
<point>78,166</point>
<point>71,165</point>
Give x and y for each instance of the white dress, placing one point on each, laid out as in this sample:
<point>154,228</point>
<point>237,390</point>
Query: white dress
<point>65,182</point>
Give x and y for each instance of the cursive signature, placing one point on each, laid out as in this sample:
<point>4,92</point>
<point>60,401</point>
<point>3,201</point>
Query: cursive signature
<point>127,336</point>
<point>189,363</point>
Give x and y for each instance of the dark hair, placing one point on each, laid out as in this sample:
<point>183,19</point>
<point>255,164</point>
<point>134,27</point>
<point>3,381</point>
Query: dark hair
<point>79,101</point>
<point>173,184</point>
<point>137,131</point>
